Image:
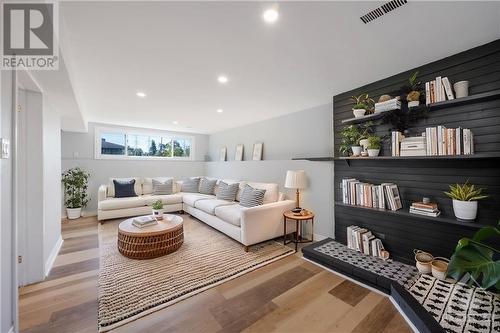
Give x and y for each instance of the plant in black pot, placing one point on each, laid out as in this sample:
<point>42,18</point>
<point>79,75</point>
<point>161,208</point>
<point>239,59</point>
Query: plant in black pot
<point>75,182</point>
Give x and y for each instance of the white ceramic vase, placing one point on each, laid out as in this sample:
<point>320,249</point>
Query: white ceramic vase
<point>364,144</point>
<point>465,210</point>
<point>461,89</point>
<point>373,152</point>
<point>358,112</point>
<point>158,213</point>
<point>73,213</point>
<point>356,150</point>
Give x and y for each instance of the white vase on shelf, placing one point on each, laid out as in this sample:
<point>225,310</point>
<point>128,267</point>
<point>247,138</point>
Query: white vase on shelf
<point>465,210</point>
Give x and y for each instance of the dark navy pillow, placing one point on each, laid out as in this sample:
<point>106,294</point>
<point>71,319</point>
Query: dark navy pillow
<point>124,188</point>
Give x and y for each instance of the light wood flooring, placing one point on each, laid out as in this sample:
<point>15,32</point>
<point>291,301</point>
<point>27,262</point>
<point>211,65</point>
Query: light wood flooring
<point>290,295</point>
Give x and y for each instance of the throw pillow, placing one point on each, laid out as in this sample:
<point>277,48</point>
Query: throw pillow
<point>162,188</point>
<point>227,191</point>
<point>191,185</point>
<point>207,186</point>
<point>251,197</point>
<point>124,188</point>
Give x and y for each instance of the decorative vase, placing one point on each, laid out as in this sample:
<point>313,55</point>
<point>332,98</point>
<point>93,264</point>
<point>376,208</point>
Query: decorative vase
<point>413,104</point>
<point>358,112</point>
<point>73,213</point>
<point>461,89</point>
<point>364,144</point>
<point>158,213</point>
<point>465,210</point>
<point>373,152</point>
<point>356,150</point>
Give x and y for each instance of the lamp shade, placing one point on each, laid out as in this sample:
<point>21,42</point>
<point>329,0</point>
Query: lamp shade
<point>296,179</point>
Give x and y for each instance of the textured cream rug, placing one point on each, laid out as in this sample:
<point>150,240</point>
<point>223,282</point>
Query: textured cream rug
<point>130,289</point>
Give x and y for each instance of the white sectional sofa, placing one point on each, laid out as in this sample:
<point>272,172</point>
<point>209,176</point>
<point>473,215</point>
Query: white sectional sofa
<point>246,225</point>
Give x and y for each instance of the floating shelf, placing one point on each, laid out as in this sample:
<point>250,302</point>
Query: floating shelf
<point>477,156</point>
<point>373,116</point>
<point>405,213</point>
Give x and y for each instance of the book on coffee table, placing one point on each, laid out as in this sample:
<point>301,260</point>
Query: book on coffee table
<point>144,221</point>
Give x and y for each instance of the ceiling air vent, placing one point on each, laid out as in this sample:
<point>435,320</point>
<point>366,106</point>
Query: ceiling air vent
<point>382,10</point>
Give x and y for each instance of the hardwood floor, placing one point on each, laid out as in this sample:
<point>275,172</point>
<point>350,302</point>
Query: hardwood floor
<point>290,295</point>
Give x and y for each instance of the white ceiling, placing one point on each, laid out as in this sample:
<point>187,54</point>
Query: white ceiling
<point>174,52</point>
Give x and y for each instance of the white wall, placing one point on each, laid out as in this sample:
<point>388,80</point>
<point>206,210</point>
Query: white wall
<point>102,169</point>
<point>305,133</point>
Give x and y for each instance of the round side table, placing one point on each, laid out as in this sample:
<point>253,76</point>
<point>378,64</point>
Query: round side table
<point>299,219</point>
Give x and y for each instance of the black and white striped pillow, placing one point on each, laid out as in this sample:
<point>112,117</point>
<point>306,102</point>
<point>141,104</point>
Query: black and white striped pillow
<point>191,185</point>
<point>227,191</point>
<point>251,197</point>
<point>207,186</point>
<point>162,188</point>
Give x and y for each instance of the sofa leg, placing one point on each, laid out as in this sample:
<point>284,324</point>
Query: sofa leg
<point>101,221</point>
<point>245,248</point>
<point>181,212</point>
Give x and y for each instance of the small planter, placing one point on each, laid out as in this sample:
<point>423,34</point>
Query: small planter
<point>73,213</point>
<point>364,143</point>
<point>413,104</point>
<point>461,89</point>
<point>358,112</point>
<point>423,261</point>
<point>439,267</point>
<point>158,213</point>
<point>373,152</point>
<point>465,210</point>
<point>356,150</point>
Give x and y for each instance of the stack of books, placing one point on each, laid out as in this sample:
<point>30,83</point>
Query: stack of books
<point>362,240</point>
<point>396,138</point>
<point>413,146</point>
<point>144,221</point>
<point>449,141</point>
<point>392,104</point>
<point>427,209</point>
<point>438,90</point>
<point>383,196</point>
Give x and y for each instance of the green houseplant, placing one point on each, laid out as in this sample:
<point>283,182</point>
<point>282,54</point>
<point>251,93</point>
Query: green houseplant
<point>157,208</point>
<point>374,145</point>
<point>465,197</point>
<point>477,261</point>
<point>362,104</point>
<point>75,183</point>
<point>351,136</point>
<point>413,90</point>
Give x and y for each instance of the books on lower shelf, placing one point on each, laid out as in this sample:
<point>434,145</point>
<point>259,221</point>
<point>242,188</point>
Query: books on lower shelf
<point>426,209</point>
<point>383,196</point>
<point>438,90</point>
<point>362,240</point>
<point>144,221</point>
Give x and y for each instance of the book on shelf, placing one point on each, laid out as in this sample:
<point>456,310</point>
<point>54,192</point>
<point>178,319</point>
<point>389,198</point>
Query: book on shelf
<point>364,241</point>
<point>392,104</point>
<point>447,88</point>
<point>424,212</point>
<point>383,196</point>
<point>448,141</point>
<point>438,90</point>
<point>396,138</point>
<point>426,209</point>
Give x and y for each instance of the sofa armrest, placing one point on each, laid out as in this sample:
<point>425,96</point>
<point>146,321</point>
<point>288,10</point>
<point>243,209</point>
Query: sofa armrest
<point>264,222</point>
<point>102,193</point>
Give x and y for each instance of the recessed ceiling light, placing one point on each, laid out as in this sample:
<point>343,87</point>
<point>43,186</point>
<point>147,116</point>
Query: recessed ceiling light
<point>175,122</point>
<point>220,110</point>
<point>270,15</point>
<point>222,79</point>
<point>141,94</point>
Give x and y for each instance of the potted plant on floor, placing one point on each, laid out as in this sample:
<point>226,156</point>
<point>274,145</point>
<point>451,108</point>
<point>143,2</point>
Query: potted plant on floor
<point>157,208</point>
<point>374,145</point>
<point>465,197</point>
<point>75,182</point>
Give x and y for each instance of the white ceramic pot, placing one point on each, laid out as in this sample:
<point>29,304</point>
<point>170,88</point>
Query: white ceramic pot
<point>364,144</point>
<point>465,210</point>
<point>358,112</point>
<point>413,103</point>
<point>461,89</point>
<point>373,152</point>
<point>356,150</point>
<point>158,213</point>
<point>73,213</point>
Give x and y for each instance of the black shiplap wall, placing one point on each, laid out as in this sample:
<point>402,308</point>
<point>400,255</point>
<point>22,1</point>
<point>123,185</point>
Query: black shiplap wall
<point>418,178</point>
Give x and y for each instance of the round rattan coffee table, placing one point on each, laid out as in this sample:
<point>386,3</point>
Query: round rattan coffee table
<point>153,241</point>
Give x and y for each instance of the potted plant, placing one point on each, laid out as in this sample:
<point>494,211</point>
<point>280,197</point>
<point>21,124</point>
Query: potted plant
<point>465,199</point>
<point>351,136</point>
<point>157,208</point>
<point>75,182</point>
<point>413,91</point>
<point>362,104</point>
<point>374,145</point>
<point>476,261</point>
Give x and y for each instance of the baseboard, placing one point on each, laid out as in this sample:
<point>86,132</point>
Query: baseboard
<point>53,255</point>
<point>318,237</point>
<point>84,214</point>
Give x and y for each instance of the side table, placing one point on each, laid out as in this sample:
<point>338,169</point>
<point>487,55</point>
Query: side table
<point>299,219</point>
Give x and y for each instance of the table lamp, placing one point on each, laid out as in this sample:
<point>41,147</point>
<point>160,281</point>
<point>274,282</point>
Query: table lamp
<point>296,179</point>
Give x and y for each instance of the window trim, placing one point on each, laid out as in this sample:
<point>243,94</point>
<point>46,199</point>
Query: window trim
<point>98,131</point>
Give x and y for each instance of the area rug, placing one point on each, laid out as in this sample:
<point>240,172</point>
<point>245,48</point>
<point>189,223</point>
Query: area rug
<point>130,289</point>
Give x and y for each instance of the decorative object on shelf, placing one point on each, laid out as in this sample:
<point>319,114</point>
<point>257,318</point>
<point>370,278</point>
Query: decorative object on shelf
<point>384,98</point>
<point>238,154</point>
<point>351,137</point>
<point>374,145</point>
<point>423,261</point>
<point>362,104</point>
<point>461,89</point>
<point>223,154</point>
<point>364,145</point>
<point>439,267</point>
<point>75,182</point>
<point>389,105</point>
<point>257,151</point>
<point>413,99</point>
<point>296,179</point>
<point>157,208</point>
<point>465,199</point>
<point>413,146</point>
<point>413,90</point>
<point>425,208</point>
<point>476,262</point>
<point>384,254</point>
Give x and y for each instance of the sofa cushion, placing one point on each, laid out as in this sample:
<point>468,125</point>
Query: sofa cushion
<point>231,181</point>
<point>124,188</point>
<point>191,185</point>
<point>272,191</point>
<point>162,187</point>
<point>191,198</point>
<point>251,197</point>
<point>227,191</point>
<point>121,203</point>
<point>230,214</point>
<point>209,205</point>
<point>167,199</point>
<point>147,183</point>
<point>207,186</point>
<point>137,185</point>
